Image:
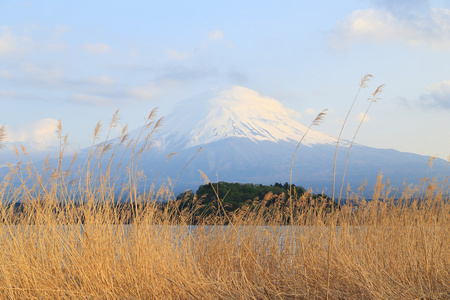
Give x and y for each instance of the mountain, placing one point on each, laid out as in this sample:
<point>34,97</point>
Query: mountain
<point>234,112</point>
<point>247,137</point>
<point>251,138</point>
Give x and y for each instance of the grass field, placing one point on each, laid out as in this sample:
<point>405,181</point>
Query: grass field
<point>382,249</point>
<point>70,238</point>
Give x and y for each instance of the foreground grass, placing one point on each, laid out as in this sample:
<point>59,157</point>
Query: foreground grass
<point>385,248</point>
<point>68,239</point>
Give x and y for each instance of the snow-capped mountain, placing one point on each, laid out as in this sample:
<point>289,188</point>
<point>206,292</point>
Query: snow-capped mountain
<point>248,137</point>
<point>234,112</point>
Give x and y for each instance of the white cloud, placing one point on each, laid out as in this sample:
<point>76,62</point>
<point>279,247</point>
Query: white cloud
<point>429,28</point>
<point>367,118</point>
<point>439,94</point>
<point>98,48</point>
<point>92,99</point>
<point>37,136</point>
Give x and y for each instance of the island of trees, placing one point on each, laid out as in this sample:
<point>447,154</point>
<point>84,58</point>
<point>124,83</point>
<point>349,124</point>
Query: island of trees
<point>223,201</point>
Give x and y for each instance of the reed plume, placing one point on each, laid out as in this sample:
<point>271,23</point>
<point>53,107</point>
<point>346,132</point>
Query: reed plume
<point>2,135</point>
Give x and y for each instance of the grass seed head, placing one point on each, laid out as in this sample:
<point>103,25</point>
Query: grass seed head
<point>2,135</point>
<point>115,120</point>
<point>319,118</point>
<point>97,129</point>
<point>364,80</point>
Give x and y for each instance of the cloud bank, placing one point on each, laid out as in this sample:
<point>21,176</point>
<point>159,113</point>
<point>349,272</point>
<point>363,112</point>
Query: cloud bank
<point>413,23</point>
<point>37,136</point>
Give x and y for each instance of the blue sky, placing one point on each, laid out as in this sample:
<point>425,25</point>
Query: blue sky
<point>80,61</point>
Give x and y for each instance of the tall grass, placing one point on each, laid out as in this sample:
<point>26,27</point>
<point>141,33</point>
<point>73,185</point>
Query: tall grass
<point>71,238</point>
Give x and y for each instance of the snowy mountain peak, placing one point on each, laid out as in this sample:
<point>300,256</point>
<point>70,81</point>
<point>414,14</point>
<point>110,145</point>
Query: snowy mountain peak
<point>234,112</point>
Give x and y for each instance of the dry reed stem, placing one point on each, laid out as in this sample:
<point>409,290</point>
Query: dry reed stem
<point>317,120</point>
<point>372,99</point>
<point>363,84</point>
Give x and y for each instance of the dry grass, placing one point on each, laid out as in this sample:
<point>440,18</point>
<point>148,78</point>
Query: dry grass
<point>68,239</point>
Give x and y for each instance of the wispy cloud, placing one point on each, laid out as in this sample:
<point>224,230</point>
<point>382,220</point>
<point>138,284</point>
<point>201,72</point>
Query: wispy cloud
<point>8,42</point>
<point>143,92</point>
<point>56,45</point>
<point>42,74</point>
<point>413,24</point>
<point>218,35</point>
<point>5,74</point>
<point>177,55</point>
<point>8,94</point>
<point>92,99</point>
<point>213,37</point>
<point>97,48</point>
<point>103,80</point>
<point>181,73</point>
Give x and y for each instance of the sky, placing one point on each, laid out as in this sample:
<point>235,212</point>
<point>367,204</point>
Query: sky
<point>80,61</point>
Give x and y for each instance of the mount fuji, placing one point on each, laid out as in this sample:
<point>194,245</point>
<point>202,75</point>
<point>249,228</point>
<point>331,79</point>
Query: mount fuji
<point>235,112</point>
<point>247,137</point>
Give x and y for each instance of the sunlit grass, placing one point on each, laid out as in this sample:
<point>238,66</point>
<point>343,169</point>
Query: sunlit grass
<point>93,233</point>
<point>65,244</point>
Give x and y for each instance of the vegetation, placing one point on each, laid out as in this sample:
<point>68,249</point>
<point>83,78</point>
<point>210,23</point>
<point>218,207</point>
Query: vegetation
<point>205,207</point>
<point>71,238</point>
<point>386,248</point>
